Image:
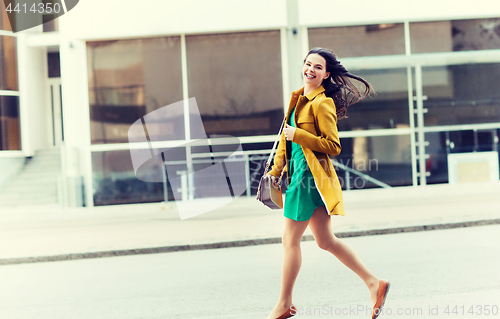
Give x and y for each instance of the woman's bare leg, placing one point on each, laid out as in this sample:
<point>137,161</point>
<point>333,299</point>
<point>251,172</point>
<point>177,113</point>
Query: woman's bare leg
<point>320,225</point>
<point>292,259</point>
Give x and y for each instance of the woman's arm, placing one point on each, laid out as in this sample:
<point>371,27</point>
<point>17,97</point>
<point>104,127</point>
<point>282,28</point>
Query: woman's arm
<point>279,157</point>
<point>326,118</point>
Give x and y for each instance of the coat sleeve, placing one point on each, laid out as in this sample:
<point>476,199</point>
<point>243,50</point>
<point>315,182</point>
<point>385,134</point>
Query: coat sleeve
<point>326,120</point>
<point>279,157</point>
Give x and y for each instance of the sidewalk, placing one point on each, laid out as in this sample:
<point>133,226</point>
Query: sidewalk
<point>37,233</point>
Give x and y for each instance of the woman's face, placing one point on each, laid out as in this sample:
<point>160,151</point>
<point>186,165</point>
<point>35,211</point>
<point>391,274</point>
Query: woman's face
<point>314,70</point>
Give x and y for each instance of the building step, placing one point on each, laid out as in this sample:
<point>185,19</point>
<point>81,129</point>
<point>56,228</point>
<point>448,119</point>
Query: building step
<point>36,183</point>
<point>28,202</point>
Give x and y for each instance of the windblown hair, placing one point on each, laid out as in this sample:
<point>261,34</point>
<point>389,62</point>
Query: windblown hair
<point>338,85</point>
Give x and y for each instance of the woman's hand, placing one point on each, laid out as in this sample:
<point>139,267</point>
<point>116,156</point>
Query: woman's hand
<point>289,132</point>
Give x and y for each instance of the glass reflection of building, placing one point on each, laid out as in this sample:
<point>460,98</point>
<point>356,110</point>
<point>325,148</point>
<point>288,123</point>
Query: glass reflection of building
<point>435,83</point>
<point>10,135</point>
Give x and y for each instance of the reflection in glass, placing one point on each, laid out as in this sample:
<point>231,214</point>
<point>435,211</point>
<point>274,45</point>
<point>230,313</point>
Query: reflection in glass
<point>431,37</point>
<point>237,82</point>
<point>461,94</point>
<point>456,35</point>
<point>4,18</point>
<point>358,41</point>
<point>443,143</point>
<point>50,23</point>
<point>476,34</point>
<point>385,158</point>
<point>114,180</point>
<point>129,79</point>
<point>387,109</point>
<point>8,63</point>
<point>10,134</point>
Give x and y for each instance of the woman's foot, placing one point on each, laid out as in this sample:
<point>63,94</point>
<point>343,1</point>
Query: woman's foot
<point>373,286</point>
<point>280,309</point>
<point>382,294</point>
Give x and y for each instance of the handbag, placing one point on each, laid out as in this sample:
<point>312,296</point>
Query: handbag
<point>269,192</point>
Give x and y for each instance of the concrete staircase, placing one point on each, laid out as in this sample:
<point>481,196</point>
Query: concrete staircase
<point>36,184</point>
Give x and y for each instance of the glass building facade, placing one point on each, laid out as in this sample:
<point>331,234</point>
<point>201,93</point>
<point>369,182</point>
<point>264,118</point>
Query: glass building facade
<point>435,95</point>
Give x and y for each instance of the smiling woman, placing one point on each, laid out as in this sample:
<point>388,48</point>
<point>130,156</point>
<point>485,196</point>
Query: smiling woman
<point>314,191</point>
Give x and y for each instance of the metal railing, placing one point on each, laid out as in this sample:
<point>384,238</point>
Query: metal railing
<point>187,189</point>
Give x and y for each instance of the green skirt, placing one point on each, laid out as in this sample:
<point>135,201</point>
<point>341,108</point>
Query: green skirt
<point>301,196</point>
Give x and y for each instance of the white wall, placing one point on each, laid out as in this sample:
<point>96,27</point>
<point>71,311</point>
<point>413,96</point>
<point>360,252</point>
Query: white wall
<point>35,113</point>
<point>97,19</point>
<point>353,12</point>
<point>76,112</point>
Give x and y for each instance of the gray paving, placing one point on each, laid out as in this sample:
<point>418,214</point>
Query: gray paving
<point>31,234</point>
<point>428,270</point>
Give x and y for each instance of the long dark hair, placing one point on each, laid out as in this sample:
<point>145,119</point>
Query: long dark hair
<point>338,85</point>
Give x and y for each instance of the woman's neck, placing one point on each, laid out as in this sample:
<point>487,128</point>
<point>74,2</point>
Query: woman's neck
<point>309,88</point>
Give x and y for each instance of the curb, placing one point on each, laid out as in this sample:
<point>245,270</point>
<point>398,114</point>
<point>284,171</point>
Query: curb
<point>238,243</point>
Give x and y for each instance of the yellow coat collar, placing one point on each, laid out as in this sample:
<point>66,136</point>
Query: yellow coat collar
<point>311,95</point>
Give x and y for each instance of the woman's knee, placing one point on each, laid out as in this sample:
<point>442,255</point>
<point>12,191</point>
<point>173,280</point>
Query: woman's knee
<point>290,242</point>
<point>326,243</point>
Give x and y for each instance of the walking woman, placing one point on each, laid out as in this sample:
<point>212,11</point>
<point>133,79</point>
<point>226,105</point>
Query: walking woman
<point>314,192</point>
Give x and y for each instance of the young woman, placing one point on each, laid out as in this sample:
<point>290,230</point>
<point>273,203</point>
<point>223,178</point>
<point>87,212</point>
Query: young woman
<point>314,192</point>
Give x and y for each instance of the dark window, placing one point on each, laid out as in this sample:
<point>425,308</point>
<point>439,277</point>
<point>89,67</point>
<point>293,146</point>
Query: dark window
<point>54,64</point>
<point>129,79</point>
<point>456,35</point>
<point>8,63</point>
<point>237,82</point>
<point>4,18</point>
<point>384,158</point>
<point>10,133</point>
<point>440,144</point>
<point>388,108</point>
<point>115,181</point>
<point>462,94</point>
<point>358,41</point>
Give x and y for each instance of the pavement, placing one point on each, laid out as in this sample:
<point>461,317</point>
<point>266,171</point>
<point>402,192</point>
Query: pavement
<point>53,233</point>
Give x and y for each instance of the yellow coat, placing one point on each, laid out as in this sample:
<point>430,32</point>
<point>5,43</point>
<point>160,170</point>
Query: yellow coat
<point>316,131</point>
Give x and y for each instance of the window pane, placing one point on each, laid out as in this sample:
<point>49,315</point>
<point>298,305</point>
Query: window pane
<point>54,64</point>
<point>8,63</point>
<point>431,37</point>
<point>462,94</point>
<point>457,35</point>
<point>50,22</point>
<point>443,143</point>
<point>385,158</point>
<point>4,19</point>
<point>387,109</point>
<point>10,134</point>
<point>357,41</point>
<point>116,183</point>
<point>127,80</point>
<point>237,82</point>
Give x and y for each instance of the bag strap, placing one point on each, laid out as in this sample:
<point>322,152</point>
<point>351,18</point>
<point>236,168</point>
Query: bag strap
<point>272,152</point>
<point>275,143</point>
